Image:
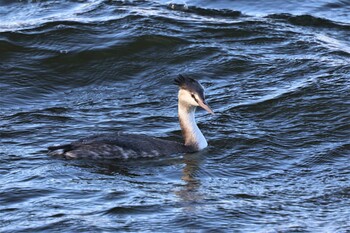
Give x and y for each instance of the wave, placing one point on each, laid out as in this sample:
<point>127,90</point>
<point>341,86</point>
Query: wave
<point>9,46</point>
<point>309,20</point>
<point>276,96</point>
<point>204,11</point>
<point>24,16</point>
<point>21,15</point>
<point>326,153</point>
<point>45,14</point>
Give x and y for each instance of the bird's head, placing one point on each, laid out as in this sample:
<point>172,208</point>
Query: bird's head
<point>191,92</point>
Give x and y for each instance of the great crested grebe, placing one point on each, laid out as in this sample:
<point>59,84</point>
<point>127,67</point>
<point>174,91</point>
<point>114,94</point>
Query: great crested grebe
<point>124,146</point>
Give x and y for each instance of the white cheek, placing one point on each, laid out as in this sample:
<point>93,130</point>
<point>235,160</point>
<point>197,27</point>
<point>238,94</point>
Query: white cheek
<point>185,96</point>
<point>192,101</point>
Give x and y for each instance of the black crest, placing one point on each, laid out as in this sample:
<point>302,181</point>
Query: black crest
<point>189,84</point>
<point>185,82</point>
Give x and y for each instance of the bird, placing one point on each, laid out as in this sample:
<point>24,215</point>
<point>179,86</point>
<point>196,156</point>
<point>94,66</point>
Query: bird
<point>120,145</point>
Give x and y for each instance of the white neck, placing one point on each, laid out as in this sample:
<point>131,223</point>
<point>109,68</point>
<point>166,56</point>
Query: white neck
<point>190,131</point>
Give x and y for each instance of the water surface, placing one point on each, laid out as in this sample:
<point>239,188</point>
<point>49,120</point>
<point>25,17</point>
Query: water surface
<point>276,74</point>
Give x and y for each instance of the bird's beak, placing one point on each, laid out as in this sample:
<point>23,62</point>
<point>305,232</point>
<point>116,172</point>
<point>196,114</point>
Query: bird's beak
<point>205,106</point>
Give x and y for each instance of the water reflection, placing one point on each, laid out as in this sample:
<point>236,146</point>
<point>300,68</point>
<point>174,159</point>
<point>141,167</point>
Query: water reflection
<point>190,194</point>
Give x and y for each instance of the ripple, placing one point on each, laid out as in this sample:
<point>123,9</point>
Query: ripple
<point>129,210</point>
<point>33,14</point>
<point>204,11</point>
<point>18,195</point>
<point>278,143</point>
<point>309,20</point>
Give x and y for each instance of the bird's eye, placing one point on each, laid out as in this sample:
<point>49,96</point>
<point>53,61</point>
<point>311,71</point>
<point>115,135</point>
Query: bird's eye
<point>194,97</point>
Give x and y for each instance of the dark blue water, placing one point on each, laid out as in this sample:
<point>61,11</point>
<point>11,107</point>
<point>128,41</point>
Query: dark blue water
<point>276,74</point>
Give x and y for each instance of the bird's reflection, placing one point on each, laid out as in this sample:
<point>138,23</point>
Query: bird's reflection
<point>190,194</point>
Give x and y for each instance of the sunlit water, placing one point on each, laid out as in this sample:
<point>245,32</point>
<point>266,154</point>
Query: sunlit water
<point>276,74</point>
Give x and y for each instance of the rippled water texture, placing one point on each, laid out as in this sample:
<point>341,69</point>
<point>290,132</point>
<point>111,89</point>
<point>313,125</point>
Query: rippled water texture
<point>276,74</point>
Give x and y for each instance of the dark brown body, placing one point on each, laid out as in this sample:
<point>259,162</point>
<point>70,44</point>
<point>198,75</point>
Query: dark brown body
<point>119,145</point>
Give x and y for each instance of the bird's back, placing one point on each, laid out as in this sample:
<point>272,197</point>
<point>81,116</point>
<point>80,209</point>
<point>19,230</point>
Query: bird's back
<point>119,145</point>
